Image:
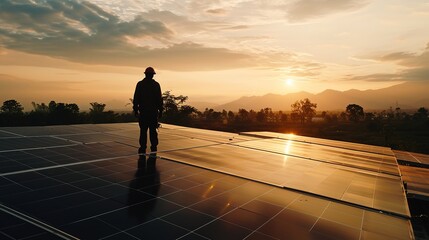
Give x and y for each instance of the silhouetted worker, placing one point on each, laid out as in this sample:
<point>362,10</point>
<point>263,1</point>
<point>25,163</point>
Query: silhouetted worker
<point>148,106</point>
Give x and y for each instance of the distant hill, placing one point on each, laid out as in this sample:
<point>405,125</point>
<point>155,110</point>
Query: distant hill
<point>409,95</point>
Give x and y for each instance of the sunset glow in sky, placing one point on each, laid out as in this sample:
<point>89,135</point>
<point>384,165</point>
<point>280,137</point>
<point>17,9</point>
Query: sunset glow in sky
<point>210,50</point>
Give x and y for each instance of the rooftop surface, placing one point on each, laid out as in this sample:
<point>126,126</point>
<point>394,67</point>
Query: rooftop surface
<point>88,182</point>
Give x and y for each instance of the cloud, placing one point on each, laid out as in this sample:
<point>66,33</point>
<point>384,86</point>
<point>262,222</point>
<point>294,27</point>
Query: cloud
<point>408,59</point>
<point>378,77</point>
<point>178,22</point>
<point>199,58</point>
<point>236,27</point>
<point>303,10</point>
<point>217,11</point>
<point>415,66</point>
<point>184,24</point>
<point>83,32</point>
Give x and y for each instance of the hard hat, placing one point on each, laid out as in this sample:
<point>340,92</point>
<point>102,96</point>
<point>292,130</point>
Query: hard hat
<point>150,70</point>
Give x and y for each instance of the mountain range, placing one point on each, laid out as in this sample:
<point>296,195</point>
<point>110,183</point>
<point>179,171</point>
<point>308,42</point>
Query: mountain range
<point>408,95</point>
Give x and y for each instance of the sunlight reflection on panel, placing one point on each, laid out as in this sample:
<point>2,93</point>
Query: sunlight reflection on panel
<point>209,189</point>
<point>286,151</point>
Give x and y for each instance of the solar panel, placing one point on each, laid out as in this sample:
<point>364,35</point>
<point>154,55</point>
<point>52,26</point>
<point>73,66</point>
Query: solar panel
<point>346,157</point>
<point>417,181</point>
<point>204,185</point>
<point>45,130</point>
<point>338,144</point>
<point>411,157</point>
<point>353,185</point>
<point>5,134</point>
<point>25,143</point>
<point>35,158</point>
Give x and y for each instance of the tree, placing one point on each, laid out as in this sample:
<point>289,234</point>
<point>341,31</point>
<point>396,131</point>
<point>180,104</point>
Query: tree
<point>11,113</point>
<point>12,106</point>
<point>175,110</point>
<point>39,115</point>
<point>242,115</point>
<point>421,114</point>
<point>283,117</point>
<point>97,107</point>
<point>304,110</point>
<point>172,105</point>
<point>63,113</point>
<point>231,116</point>
<point>212,115</point>
<point>40,107</point>
<point>354,112</point>
<point>98,115</point>
<point>260,116</point>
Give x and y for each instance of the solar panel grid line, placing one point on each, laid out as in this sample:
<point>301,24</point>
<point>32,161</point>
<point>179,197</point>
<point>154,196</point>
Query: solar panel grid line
<point>319,160</point>
<point>416,181</point>
<point>324,142</point>
<point>64,165</point>
<point>288,208</point>
<point>208,135</point>
<point>411,158</point>
<point>373,218</point>
<point>64,139</point>
<point>40,136</point>
<point>320,216</point>
<point>41,157</point>
<point>99,137</point>
<point>335,158</point>
<point>11,133</point>
<point>188,148</point>
<point>219,217</point>
<point>372,209</point>
<point>347,147</point>
<point>36,148</point>
<point>36,222</point>
<point>85,189</point>
<point>75,205</point>
<point>18,184</point>
<point>201,138</point>
<point>215,170</point>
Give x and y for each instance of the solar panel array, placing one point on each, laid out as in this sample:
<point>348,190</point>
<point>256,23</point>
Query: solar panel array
<point>411,157</point>
<point>87,182</point>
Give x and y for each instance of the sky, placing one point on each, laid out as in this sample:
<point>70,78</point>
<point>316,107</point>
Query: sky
<point>209,50</point>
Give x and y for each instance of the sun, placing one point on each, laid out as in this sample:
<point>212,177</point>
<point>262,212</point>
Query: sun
<point>289,81</point>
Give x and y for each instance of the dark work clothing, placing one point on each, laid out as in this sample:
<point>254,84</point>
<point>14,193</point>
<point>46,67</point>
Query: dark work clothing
<point>148,120</point>
<point>147,96</point>
<point>148,104</point>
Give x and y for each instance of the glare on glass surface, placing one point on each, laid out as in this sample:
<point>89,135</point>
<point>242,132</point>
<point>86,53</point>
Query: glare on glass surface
<point>286,151</point>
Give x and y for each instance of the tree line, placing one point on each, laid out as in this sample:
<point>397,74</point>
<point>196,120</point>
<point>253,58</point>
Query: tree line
<point>12,114</point>
<point>392,127</point>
